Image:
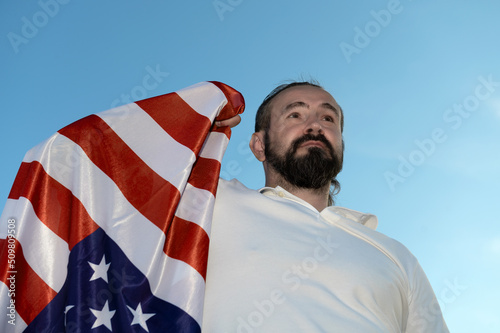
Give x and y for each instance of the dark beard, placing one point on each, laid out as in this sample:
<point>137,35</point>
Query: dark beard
<point>315,170</point>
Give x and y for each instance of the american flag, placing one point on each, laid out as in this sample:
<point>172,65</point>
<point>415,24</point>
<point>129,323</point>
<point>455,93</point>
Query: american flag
<point>107,225</point>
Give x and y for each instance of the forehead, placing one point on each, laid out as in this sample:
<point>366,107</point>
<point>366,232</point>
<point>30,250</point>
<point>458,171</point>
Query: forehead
<point>308,94</point>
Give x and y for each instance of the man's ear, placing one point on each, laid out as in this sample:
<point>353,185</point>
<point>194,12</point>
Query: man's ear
<point>257,145</point>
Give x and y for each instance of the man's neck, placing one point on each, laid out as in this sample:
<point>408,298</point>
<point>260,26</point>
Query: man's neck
<point>318,198</point>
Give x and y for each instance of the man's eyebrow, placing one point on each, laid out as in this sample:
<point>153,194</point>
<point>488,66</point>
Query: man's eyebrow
<point>331,107</point>
<point>297,104</point>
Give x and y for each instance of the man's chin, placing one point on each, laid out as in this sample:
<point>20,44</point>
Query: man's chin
<point>308,150</point>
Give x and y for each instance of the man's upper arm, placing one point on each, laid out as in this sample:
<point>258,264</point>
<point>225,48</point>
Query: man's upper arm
<point>424,312</point>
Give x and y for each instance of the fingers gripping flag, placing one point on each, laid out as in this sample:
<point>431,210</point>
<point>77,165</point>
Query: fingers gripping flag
<point>107,225</point>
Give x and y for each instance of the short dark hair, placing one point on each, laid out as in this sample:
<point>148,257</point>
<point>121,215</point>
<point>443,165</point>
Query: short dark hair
<point>263,116</point>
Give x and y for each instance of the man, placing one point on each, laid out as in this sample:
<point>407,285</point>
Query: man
<point>283,259</point>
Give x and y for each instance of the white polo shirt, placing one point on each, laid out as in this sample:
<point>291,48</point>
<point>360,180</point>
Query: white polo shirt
<point>276,264</point>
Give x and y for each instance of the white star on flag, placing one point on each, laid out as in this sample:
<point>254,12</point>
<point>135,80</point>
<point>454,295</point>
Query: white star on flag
<point>103,317</point>
<point>140,317</point>
<point>101,270</point>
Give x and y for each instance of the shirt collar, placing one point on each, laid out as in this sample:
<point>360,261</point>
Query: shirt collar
<point>367,220</point>
<point>280,192</point>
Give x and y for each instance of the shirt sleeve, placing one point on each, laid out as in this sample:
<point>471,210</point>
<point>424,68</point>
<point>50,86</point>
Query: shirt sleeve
<point>424,312</point>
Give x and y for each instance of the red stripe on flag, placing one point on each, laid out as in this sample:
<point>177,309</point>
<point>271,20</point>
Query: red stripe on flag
<point>205,174</point>
<point>32,294</point>
<point>235,101</point>
<point>53,203</point>
<point>225,129</point>
<point>188,242</point>
<point>148,192</point>
<point>178,119</point>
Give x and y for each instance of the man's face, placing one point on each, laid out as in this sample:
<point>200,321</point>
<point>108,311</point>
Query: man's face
<point>304,141</point>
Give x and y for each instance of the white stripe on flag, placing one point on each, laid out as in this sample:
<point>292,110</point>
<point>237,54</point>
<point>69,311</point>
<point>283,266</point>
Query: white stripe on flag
<point>196,206</point>
<point>214,146</point>
<point>50,250</point>
<point>7,315</point>
<point>204,98</point>
<point>175,283</point>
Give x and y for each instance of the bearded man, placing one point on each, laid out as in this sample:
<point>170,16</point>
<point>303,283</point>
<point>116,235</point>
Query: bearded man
<point>285,259</point>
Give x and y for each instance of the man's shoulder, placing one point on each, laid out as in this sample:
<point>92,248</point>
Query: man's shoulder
<point>368,220</point>
<point>363,226</point>
<point>234,190</point>
<point>233,185</point>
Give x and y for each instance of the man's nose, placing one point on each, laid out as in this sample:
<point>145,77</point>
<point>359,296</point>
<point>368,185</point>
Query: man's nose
<point>313,125</point>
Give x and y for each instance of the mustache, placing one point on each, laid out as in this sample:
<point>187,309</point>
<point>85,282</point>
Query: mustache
<point>311,137</point>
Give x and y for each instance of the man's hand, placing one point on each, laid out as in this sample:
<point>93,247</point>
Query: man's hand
<point>231,122</point>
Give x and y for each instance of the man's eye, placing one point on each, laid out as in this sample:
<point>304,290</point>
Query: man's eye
<point>293,115</point>
<point>329,118</point>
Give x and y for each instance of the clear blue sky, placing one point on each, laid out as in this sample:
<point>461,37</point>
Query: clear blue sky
<point>419,82</point>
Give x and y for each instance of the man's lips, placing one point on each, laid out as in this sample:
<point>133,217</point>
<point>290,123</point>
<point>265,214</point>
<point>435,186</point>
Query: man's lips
<point>313,143</point>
